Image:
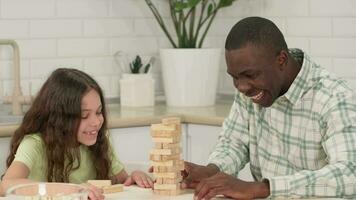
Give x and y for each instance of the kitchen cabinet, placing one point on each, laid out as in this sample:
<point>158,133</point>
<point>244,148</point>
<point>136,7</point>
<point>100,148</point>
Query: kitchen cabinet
<point>132,145</point>
<point>201,141</point>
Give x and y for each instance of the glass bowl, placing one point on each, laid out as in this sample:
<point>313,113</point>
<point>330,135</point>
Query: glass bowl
<point>48,191</point>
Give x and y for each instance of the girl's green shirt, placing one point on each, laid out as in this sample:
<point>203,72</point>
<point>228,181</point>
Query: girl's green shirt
<point>31,152</point>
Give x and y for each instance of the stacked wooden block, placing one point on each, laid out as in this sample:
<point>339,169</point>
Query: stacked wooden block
<point>166,156</point>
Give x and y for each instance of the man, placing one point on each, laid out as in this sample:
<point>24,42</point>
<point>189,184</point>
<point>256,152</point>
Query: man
<point>293,121</point>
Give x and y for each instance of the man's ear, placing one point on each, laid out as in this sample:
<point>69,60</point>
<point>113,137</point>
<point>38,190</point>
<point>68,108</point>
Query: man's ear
<point>282,59</point>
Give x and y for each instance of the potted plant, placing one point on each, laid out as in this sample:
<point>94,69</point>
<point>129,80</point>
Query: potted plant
<point>190,73</point>
<point>137,87</point>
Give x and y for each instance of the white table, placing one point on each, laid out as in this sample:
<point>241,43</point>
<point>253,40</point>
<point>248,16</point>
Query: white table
<point>136,193</point>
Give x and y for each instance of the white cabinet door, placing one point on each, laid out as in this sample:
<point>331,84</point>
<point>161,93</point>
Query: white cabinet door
<point>132,144</point>
<point>201,141</point>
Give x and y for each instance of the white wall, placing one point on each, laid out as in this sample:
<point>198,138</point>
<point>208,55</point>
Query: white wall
<point>86,33</point>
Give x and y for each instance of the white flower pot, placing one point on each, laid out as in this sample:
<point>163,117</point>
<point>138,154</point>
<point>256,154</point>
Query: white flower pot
<point>190,76</point>
<point>137,90</point>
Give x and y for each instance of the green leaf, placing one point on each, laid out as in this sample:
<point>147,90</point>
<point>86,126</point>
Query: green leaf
<point>147,67</point>
<point>193,3</point>
<point>136,65</point>
<point>179,6</point>
<point>210,8</point>
<point>225,3</point>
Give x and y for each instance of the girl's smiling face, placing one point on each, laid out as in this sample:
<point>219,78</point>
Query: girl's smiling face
<point>91,118</point>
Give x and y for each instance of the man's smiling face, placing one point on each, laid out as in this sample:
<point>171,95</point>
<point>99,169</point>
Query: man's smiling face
<point>256,72</point>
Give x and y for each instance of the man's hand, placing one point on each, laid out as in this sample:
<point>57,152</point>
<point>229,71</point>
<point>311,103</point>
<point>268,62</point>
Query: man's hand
<point>229,186</point>
<point>194,173</point>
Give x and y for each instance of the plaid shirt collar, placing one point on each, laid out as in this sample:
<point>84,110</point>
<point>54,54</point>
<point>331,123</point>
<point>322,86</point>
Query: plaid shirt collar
<point>303,82</point>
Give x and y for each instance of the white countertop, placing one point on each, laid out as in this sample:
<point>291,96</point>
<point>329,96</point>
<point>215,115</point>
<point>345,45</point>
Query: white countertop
<point>123,117</point>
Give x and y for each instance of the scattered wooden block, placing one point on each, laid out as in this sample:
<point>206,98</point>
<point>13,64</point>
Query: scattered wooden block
<point>113,188</point>
<point>100,183</point>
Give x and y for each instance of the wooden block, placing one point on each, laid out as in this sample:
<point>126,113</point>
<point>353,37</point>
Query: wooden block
<point>172,175</point>
<point>165,157</point>
<point>113,188</point>
<point>161,130</point>
<point>169,180</point>
<point>168,192</point>
<point>166,140</point>
<point>170,145</point>
<point>172,120</point>
<point>177,168</point>
<point>100,183</point>
<point>166,186</point>
<point>172,151</point>
<point>159,145</point>
<point>168,163</point>
<point>163,127</point>
<point>165,134</point>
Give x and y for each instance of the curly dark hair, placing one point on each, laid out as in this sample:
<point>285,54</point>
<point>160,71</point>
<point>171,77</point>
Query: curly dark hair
<point>56,114</point>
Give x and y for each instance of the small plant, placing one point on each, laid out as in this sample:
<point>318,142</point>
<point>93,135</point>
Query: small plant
<point>191,20</point>
<point>136,65</point>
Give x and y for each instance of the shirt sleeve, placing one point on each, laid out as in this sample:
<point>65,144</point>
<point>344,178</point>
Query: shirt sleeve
<point>231,151</point>
<point>338,177</point>
<point>116,164</point>
<point>29,150</point>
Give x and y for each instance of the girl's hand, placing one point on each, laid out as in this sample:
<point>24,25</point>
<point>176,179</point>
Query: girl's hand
<point>140,178</point>
<point>95,193</point>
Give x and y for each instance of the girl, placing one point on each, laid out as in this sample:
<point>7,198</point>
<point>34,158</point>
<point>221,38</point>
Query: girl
<point>63,137</point>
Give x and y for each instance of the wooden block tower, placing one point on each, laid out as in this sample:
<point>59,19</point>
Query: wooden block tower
<point>166,156</point>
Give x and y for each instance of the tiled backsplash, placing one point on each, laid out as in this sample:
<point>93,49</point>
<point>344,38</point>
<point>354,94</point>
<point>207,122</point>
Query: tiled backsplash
<point>85,34</point>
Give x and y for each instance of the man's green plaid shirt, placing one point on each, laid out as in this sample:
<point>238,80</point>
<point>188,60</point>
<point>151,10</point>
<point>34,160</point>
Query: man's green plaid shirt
<point>304,144</point>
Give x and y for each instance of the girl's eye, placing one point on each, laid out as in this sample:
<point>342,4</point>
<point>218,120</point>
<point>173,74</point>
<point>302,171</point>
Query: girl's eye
<point>84,116</point>
<point>99,113</point>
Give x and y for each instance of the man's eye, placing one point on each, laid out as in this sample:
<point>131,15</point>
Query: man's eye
<point>252,76</point>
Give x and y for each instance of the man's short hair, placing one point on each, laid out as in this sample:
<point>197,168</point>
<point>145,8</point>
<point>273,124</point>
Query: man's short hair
<point>256,31</point>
